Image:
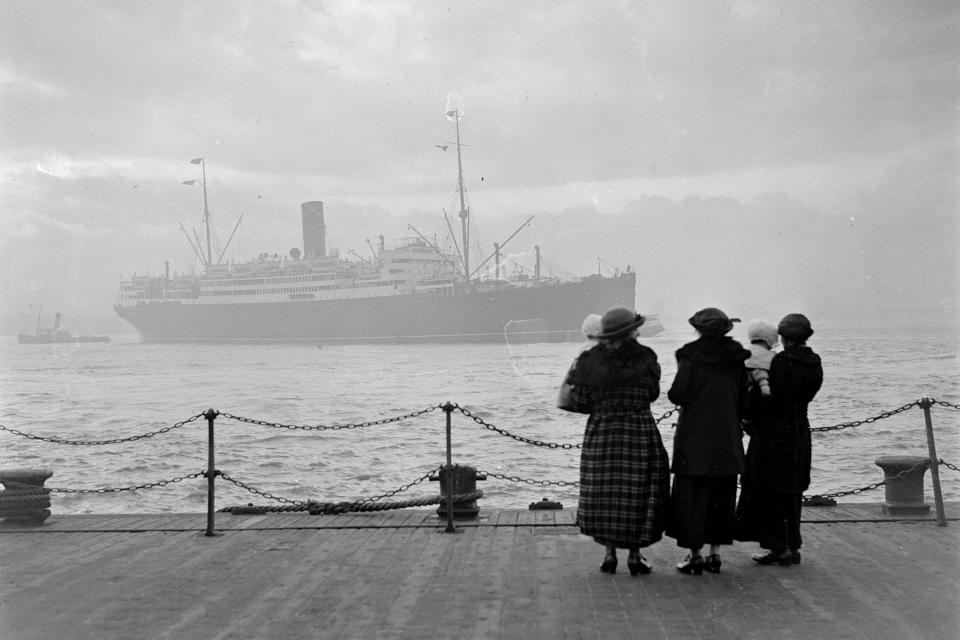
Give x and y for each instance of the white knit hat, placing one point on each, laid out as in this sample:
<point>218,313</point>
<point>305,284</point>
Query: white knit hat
<point>763,330</point>
<point>591,324</point>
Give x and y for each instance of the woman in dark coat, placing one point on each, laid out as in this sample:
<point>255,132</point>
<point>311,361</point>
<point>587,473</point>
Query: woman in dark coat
<point>710,388</point>
<point>624,469</point>
<point>778,458</point>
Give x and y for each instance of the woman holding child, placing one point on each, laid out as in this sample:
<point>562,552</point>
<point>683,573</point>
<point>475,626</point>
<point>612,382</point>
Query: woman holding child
<point>779,455</point>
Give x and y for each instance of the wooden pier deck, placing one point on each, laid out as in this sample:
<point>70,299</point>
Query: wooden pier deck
<point>510,574</point>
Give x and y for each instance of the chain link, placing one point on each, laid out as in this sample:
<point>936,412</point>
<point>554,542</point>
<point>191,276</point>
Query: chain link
<point>260,492</point>
<point>367,504</point>
<point>545,483</point>
<point>331,427</point>
<point>99,442</point>
<point>149,485</point>
<point>948,465</point>
<point>390,494</point>
<point>503,432</point>
<point>304,503</point>
<point>536,443</point>
<point>945,404</point>
<point>857,423</point>
<point>875,485</point>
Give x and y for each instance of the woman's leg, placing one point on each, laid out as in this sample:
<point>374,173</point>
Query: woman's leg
<point>609,564</point>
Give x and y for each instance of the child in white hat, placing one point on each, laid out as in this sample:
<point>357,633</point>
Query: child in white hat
<point>763,340</point>
<point>591,327</point>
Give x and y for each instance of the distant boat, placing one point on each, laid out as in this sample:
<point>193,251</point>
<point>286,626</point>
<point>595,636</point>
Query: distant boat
<point>57,335</point>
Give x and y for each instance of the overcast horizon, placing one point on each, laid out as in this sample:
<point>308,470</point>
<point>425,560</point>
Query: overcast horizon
<point>758,156</point>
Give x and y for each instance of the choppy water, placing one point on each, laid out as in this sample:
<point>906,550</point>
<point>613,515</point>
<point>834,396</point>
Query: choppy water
<point>105,391</point>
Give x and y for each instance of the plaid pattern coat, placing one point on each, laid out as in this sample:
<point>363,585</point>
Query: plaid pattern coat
<point>624,469</point>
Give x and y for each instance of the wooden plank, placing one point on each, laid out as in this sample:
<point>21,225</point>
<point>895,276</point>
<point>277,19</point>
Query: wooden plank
<point>485,582</point>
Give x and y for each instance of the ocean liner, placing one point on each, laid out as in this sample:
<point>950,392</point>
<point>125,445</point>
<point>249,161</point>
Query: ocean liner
<point>413,291</point>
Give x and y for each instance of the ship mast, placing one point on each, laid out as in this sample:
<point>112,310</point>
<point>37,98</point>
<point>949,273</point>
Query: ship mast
<point>198,248</point>
<point>464,211</point>
<point>208,259</point>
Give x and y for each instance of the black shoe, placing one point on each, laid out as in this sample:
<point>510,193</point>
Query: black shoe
<point>638,564</point>
<point>609,564</point>
<point>795,556</point>
<point>712,563</point>
<point>691,564</point>
<point>784,558</point>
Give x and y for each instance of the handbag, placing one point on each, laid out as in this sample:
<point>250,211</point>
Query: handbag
<point>564,401</point>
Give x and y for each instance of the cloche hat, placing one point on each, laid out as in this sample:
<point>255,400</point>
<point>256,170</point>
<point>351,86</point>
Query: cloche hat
<point>796,326</point>
<point>712,321</point>
<point>617,322</point>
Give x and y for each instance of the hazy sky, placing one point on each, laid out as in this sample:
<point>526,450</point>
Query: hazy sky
<point>764,157</point>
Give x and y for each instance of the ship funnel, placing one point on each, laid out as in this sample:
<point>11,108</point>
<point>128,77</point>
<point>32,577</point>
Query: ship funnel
<point>56,321</point>
<point>314,231</point>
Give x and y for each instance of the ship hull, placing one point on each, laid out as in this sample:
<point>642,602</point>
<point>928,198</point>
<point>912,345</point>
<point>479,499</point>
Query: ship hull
<point>549,313</point>
<point>25,338</point>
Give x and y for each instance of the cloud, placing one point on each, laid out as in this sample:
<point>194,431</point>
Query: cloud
<point>664,120</point>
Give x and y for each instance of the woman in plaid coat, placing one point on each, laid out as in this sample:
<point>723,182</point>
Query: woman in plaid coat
<point>624,468</point>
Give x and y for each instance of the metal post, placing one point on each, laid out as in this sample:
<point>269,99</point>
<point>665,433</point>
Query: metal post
<point>925,404</point>
<point>448,408</point>
<point>211,473</point>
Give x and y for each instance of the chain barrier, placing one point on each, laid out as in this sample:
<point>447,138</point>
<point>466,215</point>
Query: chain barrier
<point>503,432</point>
<point>857,423</point>
<point>148,485</point>
<point>367,504</point>
<point>390,494</point>
<point>545,483</point>
<point>330,427</point>
<point>100,442</point>
<point>536,443</point>
<point>875,485</point>
<point>376,503</point>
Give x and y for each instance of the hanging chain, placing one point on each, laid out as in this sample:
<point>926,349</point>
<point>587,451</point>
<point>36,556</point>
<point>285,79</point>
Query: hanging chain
<point>260,492</point>
<point>331,427</point>
<point>545,483</point>
<point>150,485</point>
<point>536,443</point>
<point>503,432</point>
<point>857,423</point>
<point>875,485</point>
<point>390,494</point>
<point>99,442</point>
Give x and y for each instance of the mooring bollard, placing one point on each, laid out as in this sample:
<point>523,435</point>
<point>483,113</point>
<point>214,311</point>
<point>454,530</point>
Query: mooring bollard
<point>903,485</point>
<point>464,481</point>
<point>24,497</point>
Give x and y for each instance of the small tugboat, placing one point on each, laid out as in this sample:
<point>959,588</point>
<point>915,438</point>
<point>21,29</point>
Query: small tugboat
<point>57,335</point>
